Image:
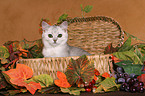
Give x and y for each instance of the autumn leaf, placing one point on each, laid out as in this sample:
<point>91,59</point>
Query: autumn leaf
<point>78,69</point>
<point>110,49</point>
<point>32,87</point>
<point>142,79</point>
<point>105,75</point>
<point>4,54</point>
<point>62,81</point>
<point>45,80</point>
<point>96,72</point>
<point>19,75</point>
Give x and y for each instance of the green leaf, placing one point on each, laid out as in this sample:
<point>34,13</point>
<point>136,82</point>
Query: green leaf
<point>126,46</point>
<point>45,80</point>
<point>4,53</point>
<point>82,7</point>
<point>3,83</point>
<point>63,17</point>
<point>130,68</point>
<point>109,84</point>
<point>72,90</point>
<point>78,69</point>
<point>128,55</point>
<point>138,53</point>
<point>88,8</point>
<point>99,90</point>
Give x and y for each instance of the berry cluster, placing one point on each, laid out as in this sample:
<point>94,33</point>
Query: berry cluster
<point>88,86</point>
<point>129,83</point>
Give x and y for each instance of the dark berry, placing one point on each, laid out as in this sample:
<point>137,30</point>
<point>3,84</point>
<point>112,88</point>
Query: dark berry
<point>132,75</point>
<point>90,85</point>
<point>131,82</point>
<point>120,70</point>
<point>125,75</point>
<point>140,83</point>
<point>93,81</point>
<point>122,87</point>
<point>121,80</point>
<point>133,89</point>
<point>127,79</point>
<point>140,89</point>
<point>127,88</point>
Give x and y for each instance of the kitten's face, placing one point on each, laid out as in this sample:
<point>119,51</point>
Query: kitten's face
<point>55,35</point>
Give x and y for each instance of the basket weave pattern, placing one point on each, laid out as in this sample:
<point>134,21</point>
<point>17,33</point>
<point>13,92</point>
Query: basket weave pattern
<point>52,65</point>
<point>92,34</point>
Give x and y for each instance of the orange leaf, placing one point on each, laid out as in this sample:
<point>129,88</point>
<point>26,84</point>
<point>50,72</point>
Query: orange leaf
<point>116,60</point>
<point>61,75</point>
<point>24,71</point>
<point>62,81</point>
<point>95,78</point>
<point>105,75</point>
<point>96,72</point>
<point>18,82</point>
<point>32,87</point>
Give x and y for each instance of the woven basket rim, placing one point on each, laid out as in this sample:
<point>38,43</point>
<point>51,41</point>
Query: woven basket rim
<point>99,55</point>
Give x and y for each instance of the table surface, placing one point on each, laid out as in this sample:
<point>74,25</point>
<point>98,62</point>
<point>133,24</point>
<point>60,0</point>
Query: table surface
<point>116,93</point>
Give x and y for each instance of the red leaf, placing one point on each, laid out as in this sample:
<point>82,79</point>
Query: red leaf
<point>32,87</point>
<point>21,71</point>
<point>96,72</point>
<point>116,60</point>
<point>105,75</point>
<point>61,75</point>
<point>20,74</point>
<point>62,81</point>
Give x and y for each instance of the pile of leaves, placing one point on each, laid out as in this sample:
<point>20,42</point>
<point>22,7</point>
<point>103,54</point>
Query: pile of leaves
<point>21,79</point>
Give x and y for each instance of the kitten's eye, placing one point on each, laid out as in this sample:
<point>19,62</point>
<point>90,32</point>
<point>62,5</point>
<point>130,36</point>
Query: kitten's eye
<point>50,36</point>
<point>59,35</point>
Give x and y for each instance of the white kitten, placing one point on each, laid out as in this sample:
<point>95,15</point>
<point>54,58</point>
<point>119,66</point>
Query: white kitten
<point>55,42</point>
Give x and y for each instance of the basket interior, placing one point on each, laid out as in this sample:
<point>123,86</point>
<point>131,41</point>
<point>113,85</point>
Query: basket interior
<point>93,34</point>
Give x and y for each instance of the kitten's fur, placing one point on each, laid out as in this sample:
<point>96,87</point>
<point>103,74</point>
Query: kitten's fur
<point>55,42</point>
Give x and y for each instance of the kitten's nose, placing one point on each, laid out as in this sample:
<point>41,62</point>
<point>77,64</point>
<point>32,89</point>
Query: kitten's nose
<point>54,40</point>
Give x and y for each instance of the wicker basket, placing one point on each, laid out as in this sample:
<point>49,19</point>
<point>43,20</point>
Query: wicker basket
<point>92,34</point>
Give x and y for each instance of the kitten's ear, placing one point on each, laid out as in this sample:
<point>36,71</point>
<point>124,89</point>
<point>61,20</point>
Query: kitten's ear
<point>64,25</point>
<point>45,25</point>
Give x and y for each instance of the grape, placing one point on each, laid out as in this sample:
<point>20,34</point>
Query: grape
<point>125,75</point>
<point>131,82</point>
<point>120,70</point>
<point>119,75</point>
<point>121,80</point>
<point>122,87</point>
<point>127,88</point>
<point>133,89</point>
<point>132,75</point>
<point>127,79</point>
<point>140,89</point>
<point>140,83</point>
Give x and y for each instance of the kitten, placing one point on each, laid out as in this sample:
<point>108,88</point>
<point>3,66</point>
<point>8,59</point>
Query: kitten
<point>55,39</point>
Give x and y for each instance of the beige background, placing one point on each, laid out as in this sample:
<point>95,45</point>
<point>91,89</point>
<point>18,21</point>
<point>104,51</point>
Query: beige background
<point>20,19</point>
